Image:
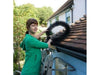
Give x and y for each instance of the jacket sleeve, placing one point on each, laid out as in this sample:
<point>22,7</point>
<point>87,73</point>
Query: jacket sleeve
<point>36,43</point>
<point>22,46</point>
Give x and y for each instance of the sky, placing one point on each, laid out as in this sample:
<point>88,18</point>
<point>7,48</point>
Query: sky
<point>54,4</point>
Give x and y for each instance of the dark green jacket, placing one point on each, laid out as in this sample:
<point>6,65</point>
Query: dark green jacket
<point>32,47</point>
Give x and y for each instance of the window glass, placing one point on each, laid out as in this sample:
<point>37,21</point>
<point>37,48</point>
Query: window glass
<point>57,18</point>
<point>68,13</point>
<point>68,19</point>
<point>68,16</point>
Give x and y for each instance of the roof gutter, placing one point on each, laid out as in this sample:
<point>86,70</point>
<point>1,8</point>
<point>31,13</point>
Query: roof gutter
<point>72,53</point>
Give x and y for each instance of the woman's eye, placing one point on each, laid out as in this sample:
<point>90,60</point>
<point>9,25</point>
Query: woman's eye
<point>32,25</point>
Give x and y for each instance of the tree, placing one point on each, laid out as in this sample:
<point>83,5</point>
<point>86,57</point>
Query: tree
<point>43,14</point>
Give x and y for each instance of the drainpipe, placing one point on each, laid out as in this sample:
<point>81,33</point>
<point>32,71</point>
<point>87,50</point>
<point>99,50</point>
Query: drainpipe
<point>72,12</point>
<point>86,7</point>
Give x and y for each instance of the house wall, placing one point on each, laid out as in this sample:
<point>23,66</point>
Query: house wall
<point>53,20</point>
<point>79,9</point>
<point>62,17</point>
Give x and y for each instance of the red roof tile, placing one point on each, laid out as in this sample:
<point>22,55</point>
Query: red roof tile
<point>77,36</point>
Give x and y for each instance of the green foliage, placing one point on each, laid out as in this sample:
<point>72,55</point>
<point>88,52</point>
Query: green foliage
<point>20,15</point>
<point>15,66</point>
<point>43,14</point>
<point>15,56</point>
<point>22,55</point>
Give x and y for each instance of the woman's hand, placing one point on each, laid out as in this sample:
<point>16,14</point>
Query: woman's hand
<point>39,34</point>
<point>49,43</point>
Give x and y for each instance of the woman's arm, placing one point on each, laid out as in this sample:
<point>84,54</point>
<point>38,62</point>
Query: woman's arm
<point>37,44</point>
<point>38,35</point>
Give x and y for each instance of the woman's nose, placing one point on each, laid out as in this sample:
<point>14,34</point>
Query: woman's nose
<point>36,27</point>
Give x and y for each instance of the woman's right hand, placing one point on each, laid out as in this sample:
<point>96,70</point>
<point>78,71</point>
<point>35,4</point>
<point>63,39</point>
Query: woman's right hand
<point>49,42</point>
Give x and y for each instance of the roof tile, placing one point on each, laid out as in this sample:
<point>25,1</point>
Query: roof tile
<point>77,36</point>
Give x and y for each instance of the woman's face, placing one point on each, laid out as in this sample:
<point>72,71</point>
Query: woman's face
<point>33,28</point>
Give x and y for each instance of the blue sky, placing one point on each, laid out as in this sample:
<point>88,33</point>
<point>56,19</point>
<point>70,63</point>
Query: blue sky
<point>54,4</point>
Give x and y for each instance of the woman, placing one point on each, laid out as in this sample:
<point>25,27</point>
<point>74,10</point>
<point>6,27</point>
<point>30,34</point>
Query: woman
<point>32,47</point>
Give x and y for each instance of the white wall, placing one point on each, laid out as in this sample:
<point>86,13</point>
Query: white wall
<point>53,20</point>
<point>62,17</point>
<point>78,9</point>
<point>48,23</point>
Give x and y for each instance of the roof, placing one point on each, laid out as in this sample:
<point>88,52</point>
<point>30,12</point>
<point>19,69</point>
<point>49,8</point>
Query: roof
<point>62,8</point>
<point>76,40</point>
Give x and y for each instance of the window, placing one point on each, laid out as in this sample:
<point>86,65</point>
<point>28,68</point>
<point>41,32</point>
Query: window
<point>57,18</point>
<point>68,19</point>
<point>68,16</point>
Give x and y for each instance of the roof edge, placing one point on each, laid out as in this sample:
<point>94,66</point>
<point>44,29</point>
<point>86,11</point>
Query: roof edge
<point>63,7</point>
